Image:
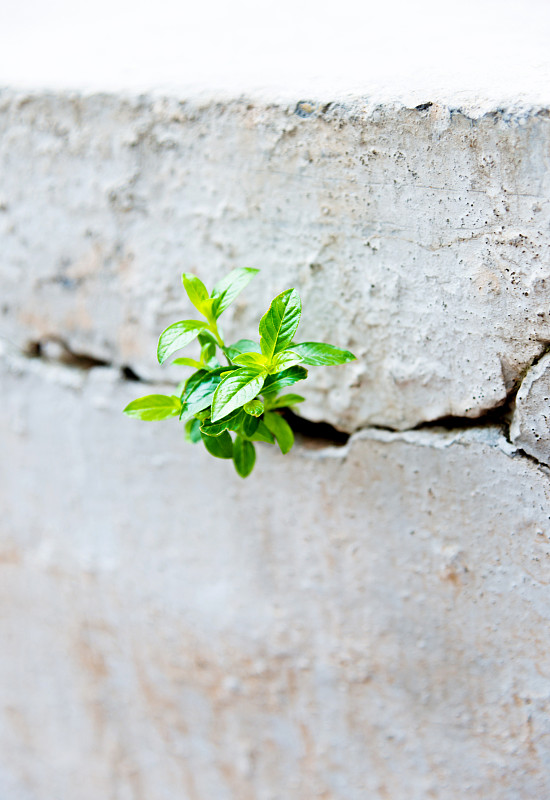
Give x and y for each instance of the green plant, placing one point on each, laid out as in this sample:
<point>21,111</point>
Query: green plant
<point>243,397</point>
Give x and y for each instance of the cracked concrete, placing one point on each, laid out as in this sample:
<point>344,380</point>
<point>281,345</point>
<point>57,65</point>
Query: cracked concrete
<point>530,428</point>
<point>367,620</point>
<point>416,238</point>
<point>54,353</point>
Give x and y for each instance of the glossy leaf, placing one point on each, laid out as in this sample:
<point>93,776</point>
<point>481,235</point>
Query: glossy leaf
<point>274,383</point>
<point>285,401</point>
<point>208,354</point>
<point>199,392</point>
<point>244,456</point>
<point>202,375</point>
<point>188,362</point>
<point>318,354</point>
<point>231,422</point>
<point>196,291</point>
<point>280,428</point>
<point>284,360</point>
<point>249,425</point>
<point>206,336</point>
<point>242,346</point>
<point>193,430</point>
<point>235,390</point>
<point>229,288</point>
<point>279,324</point>
<point>219,446</point>
<point>154,407</point>
<point>193,381</point>
<point>251,360</point>
<point>177,336</point>
<point>261,434</point>
<point>254,407</point>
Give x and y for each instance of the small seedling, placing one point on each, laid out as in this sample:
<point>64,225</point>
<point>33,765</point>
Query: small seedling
<point>229,407</point>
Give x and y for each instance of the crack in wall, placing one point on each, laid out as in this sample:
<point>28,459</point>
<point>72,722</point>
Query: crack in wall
<point>310,434</point>
<point>56,350</point>
<point>315,434</point>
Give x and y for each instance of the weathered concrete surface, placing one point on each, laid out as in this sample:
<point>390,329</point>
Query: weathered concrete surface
<point>530,428</point>
<point>417,238</point>
<point>363,622</point>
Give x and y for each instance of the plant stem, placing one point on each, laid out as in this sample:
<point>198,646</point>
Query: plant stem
<point>215,331</point>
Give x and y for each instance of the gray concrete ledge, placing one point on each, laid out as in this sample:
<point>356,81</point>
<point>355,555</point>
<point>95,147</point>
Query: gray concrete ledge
<point>417,238</point>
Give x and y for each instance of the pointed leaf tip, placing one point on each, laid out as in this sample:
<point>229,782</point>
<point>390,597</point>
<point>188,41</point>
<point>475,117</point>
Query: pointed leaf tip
<point>176,336</point>
<point>196,292</point>
<point>244,456</point>
<point>154,407</point>
<point>236,389</point>
<point>280,429</point>
<point>280,322</point>
<point>319,354</point>
<point>230,287</point>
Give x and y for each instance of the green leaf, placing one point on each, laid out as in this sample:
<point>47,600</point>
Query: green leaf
<point>193,381</point>
<point>199,392</point>
<point>249,425</point>
<point>236,423</point>
<point>219,446</point>
<point>235,390</point>
<point>244,456</point>
<point>286,400</point>
<point>188,362</point>
<point>208,354</point>
<point>261,434</point>
<point>201,375</point>
<point>196,292</point>
<point>177,336</point>
<point>279,324</point>
<point>192,430</point>
<point>274,383</point>
<point>280,428</point>
<point>153,407</point>
<point>231,422</point>
<point>242,346</point>
<point>229,288</point>
<point>251,360</point>
<point>318,354</point>
<point>207,336</point>
<point>254,407</point>
<point>284,360</point>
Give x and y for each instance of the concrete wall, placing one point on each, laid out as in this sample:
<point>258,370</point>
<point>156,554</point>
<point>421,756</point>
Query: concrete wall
<point>368,621</point>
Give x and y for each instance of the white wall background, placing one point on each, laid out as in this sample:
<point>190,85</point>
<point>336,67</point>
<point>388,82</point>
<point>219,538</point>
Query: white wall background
<point>474,48</point>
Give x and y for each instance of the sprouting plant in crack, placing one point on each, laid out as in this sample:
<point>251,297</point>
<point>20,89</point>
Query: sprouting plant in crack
<point>229,407</point>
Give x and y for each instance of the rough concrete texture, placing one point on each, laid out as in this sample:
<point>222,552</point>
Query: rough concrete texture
<point>360,622</point>
<point>530,428</point>
<point>416,237</point>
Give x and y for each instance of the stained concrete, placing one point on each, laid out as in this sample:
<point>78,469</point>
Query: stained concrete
<point>365,621</point>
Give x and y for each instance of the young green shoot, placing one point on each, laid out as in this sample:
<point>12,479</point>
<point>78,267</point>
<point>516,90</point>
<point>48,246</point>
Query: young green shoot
<point>229,406</point>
